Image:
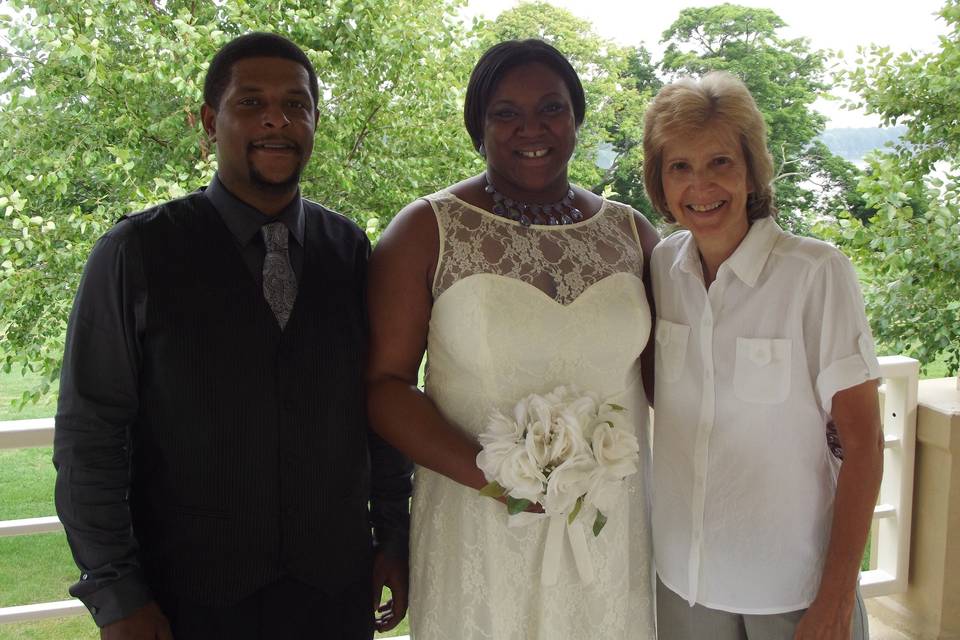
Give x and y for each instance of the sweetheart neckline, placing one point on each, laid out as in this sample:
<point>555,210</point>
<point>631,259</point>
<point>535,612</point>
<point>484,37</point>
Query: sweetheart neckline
<point>538,290</point>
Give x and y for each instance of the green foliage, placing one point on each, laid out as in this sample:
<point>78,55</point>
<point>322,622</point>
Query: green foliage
<point>16,397</point>
<point>575,511</point>
<point>785,77</point>
<point>908,252</point>
<point>517,505</point>
<point>493,490</point>
<point>919,91</point>
<point>99,117</point>
<point>909,261</point>
<point>599,523</point>
<point>618,82</point>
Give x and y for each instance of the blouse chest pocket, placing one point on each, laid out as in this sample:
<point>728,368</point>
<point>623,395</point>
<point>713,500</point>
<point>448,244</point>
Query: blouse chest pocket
<point>762,370</point>
<point>671,349</point>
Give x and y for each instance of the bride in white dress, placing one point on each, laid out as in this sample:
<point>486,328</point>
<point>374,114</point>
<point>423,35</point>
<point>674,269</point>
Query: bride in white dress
<point>509,297</point>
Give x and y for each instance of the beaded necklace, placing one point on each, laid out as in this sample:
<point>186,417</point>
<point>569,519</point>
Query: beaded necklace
<point>562,212</point>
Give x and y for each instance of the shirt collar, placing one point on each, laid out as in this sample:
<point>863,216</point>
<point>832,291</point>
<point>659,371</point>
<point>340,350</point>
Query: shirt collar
<point>747,261</point>
<point>688,257</point>
<point>751,256</point>
<point>244,221</point>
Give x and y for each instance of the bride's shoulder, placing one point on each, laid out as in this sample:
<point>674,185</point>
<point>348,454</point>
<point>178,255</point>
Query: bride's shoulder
<point>415,226</point>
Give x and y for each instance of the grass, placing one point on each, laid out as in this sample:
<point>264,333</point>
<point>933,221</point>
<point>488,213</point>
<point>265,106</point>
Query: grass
<point>936,369</point>
<point>26,483</point>
<point>73,628</point>
<point>12,388</point>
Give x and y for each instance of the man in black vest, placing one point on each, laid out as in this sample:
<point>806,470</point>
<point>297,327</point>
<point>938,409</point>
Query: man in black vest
<point>213,457</point>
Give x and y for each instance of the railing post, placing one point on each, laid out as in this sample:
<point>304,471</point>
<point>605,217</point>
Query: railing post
<point>890,547</point>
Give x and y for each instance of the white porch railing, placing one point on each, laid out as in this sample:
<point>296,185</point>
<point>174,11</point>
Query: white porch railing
<point>890,534</point>
<point>19,434</point>
<point>890,542</point>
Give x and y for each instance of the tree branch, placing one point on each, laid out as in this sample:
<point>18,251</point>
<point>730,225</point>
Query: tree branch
<point>363,133</point>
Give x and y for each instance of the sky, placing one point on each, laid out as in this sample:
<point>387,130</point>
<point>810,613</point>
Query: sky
<point>828,24</point>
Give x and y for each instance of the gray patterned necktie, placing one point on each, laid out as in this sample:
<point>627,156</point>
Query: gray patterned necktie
<point>279,281</point>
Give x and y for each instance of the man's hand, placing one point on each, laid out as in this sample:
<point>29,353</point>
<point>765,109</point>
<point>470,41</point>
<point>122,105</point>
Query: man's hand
<point>393,573</point>
<point>146,623</point>
<point>830,621</point>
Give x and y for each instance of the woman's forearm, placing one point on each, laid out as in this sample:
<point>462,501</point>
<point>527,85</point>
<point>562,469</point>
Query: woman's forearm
<point>857,487</point>
<point>406,418</point>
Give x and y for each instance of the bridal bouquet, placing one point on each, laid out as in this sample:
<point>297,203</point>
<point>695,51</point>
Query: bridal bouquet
<point>567,450</point>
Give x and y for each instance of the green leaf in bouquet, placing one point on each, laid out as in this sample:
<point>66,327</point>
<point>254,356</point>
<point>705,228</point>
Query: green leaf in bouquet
<point>516,505</point>
<point>598,524</point>
<point>492,490</point>
<point>575,511</point>
<point>616,407</point>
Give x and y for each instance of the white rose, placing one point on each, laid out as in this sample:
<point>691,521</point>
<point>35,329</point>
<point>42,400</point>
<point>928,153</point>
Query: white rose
<point>604,413</point>
<point>537,443</point>
<point>568,482</point>
<point>585,407</point>
<point>559,395</point>
<point>520,412</point>
<point>567,440</point>
<point>616,451</point>
<point>520,475</point>
<point>491,457</point>
<point>539,436</point>
<point>501,435</point>
<point>500,427</point>
<point>603,492</point>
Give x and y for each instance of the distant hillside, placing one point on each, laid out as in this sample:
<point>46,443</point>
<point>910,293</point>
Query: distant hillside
<point>852,144</point>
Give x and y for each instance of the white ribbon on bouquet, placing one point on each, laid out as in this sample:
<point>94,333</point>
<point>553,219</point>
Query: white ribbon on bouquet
<point>553,550</point>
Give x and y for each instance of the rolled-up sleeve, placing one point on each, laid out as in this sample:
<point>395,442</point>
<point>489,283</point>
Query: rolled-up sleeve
<point>838,341</point>
<point>97,405</point>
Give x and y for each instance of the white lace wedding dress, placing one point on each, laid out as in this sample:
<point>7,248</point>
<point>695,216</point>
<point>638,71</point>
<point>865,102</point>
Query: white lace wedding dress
<point>520,310</point>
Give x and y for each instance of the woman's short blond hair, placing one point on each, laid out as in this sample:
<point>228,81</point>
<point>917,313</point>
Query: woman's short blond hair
<point>688,106</point>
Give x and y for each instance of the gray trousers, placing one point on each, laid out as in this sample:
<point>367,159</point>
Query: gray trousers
<point>677,620</point>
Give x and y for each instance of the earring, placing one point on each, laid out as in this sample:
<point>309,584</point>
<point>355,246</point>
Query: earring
<point>482,151</point>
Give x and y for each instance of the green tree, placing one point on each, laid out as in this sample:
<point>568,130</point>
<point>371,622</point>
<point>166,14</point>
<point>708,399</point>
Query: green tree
<point>618,82</point>
<point>908,252</point>
<point>99,117</point>
<point>785,77</point>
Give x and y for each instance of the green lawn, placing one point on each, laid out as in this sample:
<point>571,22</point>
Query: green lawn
<point>72,628</point>
<point>12,387</point>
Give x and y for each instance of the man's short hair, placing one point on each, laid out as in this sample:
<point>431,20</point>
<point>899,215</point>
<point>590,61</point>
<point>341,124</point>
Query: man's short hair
<point>253,45</point>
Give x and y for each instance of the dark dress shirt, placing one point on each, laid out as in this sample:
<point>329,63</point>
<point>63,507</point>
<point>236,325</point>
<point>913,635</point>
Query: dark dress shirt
<point>104,345</point>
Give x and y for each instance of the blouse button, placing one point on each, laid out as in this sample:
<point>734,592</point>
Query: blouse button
<point>761,354</point>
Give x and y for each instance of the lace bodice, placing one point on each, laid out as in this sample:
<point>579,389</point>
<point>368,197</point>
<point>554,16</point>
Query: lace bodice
<point>561,261</point>
<point>520,310</point>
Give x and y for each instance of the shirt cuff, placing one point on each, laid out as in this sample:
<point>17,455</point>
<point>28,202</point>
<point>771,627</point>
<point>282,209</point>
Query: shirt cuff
<point>116,600</point>
<point>391,525</point>
<point>395,546</point>
<point>848,372</point>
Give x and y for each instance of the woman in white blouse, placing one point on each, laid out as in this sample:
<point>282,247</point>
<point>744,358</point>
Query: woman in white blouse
<point>761,343</point>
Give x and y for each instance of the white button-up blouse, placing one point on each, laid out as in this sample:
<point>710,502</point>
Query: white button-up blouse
<point>743,479</point>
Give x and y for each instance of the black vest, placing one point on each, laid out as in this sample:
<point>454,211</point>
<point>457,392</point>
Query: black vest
<point>249,455</point>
